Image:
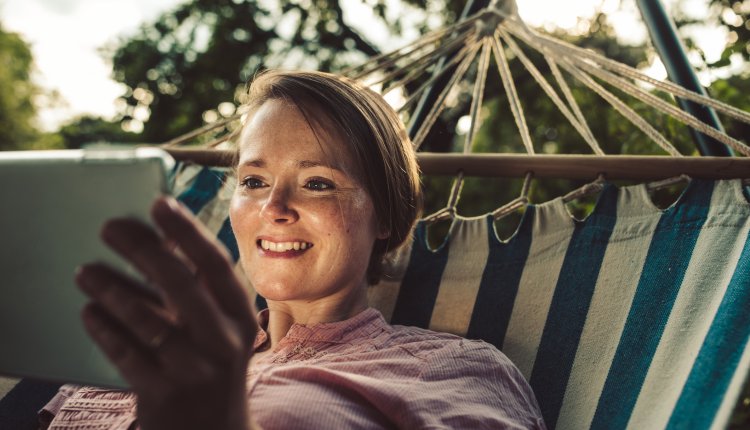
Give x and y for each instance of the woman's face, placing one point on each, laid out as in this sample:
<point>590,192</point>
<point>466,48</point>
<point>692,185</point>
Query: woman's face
<point>304,224</point>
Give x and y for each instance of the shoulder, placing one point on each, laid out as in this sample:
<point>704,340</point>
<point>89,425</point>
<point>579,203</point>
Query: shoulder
<point>473,375</point>
<point>419,342</point>
<point>446,344</point>
<point>448,356</point>
<point>457,356</point>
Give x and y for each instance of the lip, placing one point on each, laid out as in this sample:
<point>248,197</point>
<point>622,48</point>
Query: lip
<point>292,253</point>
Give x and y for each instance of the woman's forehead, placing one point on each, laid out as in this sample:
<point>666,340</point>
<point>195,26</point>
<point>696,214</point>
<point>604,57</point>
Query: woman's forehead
<point>279,128</point>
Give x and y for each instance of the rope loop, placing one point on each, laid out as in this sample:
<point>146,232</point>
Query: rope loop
<point>458,185</point>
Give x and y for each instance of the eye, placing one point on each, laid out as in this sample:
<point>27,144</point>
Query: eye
<point>252,183</point>
<point>319,185</point>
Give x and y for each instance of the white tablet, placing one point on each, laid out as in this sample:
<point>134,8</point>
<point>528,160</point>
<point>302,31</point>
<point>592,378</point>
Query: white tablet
<point>52,206</point>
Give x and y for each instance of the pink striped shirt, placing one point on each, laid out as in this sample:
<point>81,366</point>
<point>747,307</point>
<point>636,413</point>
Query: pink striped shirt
<point>358,373</point>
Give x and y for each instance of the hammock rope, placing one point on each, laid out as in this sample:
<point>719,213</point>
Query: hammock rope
<point>665,107</point>
<point>478,96</point>
<point>476,105</point>
<point>440,104</point>
<point>389,58</point>
<point>579,121</point>
<point>513,99</point>
<point>419,64</point>
<point>579,54</point>
<point>574,105</point>
<point>517,203</point>
<point>427,84</point>
<point>565,53</point>
<point>622,108</point>
<point>449,53</point>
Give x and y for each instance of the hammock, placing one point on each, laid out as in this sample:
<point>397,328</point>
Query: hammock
<point>632,318</point>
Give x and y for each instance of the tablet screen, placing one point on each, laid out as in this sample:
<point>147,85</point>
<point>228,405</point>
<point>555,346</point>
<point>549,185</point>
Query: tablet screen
<point>53,206</point>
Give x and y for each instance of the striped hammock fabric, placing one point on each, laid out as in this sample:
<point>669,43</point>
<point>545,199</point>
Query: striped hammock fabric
<point>634,318</point>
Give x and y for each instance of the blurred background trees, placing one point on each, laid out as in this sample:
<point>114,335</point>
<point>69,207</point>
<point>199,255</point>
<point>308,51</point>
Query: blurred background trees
<point>17,92</point>
<point>186,68</point>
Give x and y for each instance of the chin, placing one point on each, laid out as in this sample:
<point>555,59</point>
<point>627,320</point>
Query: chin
<point>278,290</point>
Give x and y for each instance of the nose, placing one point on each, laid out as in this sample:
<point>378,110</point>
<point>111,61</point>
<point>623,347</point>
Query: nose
<point>277,208</point>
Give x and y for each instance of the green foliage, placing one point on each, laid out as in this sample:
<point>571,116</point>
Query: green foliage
<point>735,15</point>
<point>17,92</point>
<point>734,90</point>
<point>199,55</point>
<point>89,129</point>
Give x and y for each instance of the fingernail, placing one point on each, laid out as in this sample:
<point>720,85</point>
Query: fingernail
<point>172,203</point>
<point>91,279</point>
<point>166,205</point>
<point>109,232</point>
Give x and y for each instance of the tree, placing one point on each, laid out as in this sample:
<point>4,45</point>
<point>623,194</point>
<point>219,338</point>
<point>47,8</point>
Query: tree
<point>90,129</point>
<point>17,92</point>
<point>731,72</point>
<point>192,58</point>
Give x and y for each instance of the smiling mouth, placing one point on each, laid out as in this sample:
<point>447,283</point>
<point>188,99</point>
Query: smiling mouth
<point>288,248</point>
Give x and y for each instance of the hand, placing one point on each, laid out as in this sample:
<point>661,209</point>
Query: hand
<point>184,353</point>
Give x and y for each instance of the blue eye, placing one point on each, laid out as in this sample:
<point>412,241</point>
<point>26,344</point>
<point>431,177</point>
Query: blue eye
<point>252,183</point>
<point>318,185</point>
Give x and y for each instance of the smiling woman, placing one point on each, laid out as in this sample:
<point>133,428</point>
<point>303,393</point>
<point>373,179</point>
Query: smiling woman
<point>292,191</point>
<point>315,172</point>
<point>327,183</point>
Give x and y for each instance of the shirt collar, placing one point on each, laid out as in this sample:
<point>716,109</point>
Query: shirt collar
<point>363,324</point>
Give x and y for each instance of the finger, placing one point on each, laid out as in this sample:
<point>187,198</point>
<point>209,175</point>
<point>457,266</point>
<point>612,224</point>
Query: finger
<point>138,317</point>
<point>183,364</point>
<point>126,301</point>
<point>124,352</point>
<point>140,245</point>
<point>101,273</point>
<point>211,260</point>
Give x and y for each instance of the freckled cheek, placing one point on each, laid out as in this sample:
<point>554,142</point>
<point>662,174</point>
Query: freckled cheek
<point>363,212</point>
<point>243,215</point>
<point>326,219</point>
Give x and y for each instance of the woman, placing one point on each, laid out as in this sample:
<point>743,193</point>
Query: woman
<point>327,184</point>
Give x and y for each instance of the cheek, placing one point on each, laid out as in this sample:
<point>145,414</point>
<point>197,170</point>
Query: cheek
<point>243,217</point>
<point>357,220</point>
<point>364,213</point>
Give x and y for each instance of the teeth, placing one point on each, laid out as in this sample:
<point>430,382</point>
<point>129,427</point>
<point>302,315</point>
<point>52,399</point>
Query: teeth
<point>283,246</point>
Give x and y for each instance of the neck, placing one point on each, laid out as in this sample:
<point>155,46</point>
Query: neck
<point>283,314</point>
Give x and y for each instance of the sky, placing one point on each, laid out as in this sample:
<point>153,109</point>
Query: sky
<point>66,36</point>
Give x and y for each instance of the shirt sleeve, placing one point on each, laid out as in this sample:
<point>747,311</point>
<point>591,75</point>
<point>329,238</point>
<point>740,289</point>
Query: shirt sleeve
<point>48,412</point>
<point>470,384</point>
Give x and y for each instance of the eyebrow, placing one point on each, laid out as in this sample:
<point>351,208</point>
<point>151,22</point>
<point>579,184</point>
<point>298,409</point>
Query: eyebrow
<point>254,163</point>
<point>303,164</point>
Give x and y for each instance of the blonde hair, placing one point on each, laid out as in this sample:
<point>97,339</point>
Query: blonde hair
<point>378,141</point>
